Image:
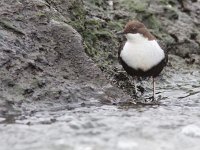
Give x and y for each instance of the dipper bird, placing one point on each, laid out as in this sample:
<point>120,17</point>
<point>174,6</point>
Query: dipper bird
<point>141,56</point>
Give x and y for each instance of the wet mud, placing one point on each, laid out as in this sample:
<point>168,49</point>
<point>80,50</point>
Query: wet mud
<point>173,123</point>
<point>61,86</point>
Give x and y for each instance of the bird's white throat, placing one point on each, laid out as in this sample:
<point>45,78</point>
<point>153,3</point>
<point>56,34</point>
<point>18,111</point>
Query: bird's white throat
<point>140,53</point>
<point>136,37</point>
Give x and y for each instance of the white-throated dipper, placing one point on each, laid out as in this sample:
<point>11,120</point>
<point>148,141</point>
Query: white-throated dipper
<point>141,55</point>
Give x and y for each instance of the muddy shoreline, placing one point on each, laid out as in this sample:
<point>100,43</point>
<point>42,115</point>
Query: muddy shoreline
<point>61,86</point>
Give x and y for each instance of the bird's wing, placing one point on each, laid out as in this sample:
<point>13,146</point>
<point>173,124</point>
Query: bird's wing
<point>121,45</point>
<point>166,57</point>
<point>164,48</point>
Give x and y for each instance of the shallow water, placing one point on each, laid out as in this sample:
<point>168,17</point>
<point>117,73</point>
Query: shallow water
<point>173,124</point>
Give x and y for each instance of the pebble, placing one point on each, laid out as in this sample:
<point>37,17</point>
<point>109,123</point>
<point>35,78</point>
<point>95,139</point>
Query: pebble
<point>191,130</point>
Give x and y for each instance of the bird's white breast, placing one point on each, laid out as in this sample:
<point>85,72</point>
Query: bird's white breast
<point>140,53</point>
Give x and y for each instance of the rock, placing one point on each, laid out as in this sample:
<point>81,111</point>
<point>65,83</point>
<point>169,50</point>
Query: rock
<point>43,62</point>
<point>176,29</point>
<point>43,59</point>
<point>191,130</point>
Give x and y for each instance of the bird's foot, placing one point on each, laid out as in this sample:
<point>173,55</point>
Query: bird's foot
<point>151,99</point>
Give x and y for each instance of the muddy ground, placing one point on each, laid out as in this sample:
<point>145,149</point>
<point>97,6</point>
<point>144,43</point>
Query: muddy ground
<point>61,86</point>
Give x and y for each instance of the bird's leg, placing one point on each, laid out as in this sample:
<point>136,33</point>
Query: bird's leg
<point>153,97</point>
<point>135,87</point>
<point>141,87</point>
<point>154,88</point>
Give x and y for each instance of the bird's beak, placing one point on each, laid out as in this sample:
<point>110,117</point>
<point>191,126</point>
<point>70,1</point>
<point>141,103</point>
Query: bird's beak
<point>120,33</point>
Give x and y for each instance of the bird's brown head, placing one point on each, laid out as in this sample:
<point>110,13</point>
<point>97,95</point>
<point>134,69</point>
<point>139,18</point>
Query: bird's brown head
<point>135,27</point>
